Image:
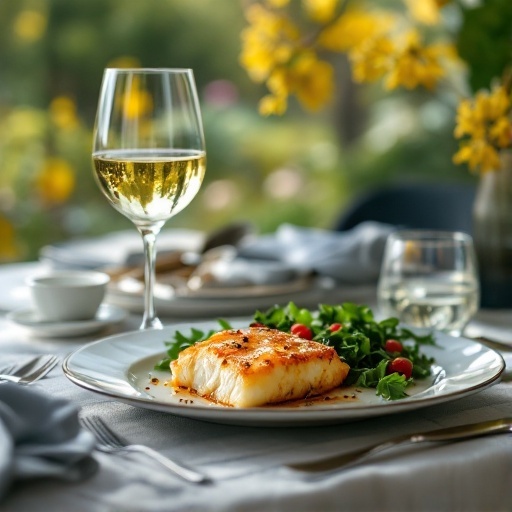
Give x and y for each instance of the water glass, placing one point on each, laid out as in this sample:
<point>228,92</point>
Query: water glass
<point>429,279</point>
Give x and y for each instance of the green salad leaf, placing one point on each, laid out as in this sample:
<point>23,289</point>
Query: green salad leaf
<point>358,339</point>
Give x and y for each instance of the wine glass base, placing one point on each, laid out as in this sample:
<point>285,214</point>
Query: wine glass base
<point>151,323</point>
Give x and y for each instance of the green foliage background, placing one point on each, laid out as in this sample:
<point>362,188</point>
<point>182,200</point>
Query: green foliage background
<point>300,168</point>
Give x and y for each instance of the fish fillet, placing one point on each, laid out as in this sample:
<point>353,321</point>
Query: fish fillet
<point>257,366</point>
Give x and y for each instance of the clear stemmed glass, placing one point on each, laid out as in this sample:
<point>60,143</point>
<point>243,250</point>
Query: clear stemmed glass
<point>429,279</point>
<point>149,153</point>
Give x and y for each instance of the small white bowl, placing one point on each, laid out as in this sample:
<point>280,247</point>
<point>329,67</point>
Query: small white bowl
<point>65,296</point>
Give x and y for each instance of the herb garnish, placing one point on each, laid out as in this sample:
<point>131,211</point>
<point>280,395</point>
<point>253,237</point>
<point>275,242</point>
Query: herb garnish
<point>357,338</point>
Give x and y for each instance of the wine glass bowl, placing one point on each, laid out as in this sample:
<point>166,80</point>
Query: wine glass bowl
<point>429,279</point>
<point>149,153</point>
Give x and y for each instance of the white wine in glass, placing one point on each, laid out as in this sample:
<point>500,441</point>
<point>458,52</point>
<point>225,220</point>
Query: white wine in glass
<point>149,153</point>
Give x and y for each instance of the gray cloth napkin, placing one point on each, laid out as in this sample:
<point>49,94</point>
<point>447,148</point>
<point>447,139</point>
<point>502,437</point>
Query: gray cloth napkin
<point>352,256</point>
<point>40,437</point>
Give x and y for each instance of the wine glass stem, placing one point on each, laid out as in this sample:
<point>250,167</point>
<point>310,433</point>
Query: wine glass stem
<point>149,320</point>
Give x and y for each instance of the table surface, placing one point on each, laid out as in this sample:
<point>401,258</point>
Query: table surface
<point>247,463</point>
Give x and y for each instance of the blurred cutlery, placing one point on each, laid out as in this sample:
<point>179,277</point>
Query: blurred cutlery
<point>494,344</point>
<point>13,371</point>
<point>229,235</point>
<point>34,372</point>
<point>184,262</point>
<point>440,435</point>
<point>109,442</point>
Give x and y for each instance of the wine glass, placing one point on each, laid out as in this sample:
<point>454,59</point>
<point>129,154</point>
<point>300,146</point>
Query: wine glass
<point>149,153</point>
<point>429,279</point>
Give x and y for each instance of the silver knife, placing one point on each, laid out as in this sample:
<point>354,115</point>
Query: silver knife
<point>444,434</point>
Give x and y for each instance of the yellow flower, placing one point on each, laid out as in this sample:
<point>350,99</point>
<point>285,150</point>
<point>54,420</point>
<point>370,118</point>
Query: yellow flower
<point>486,118</point>
<point>417,65</point>
<point>486,124</point>
<point>279,81</point>
<point>478,154</point>
<point>30,25</point>
<point>268,41</point>
<point>501,132</point>
<point>273,105</point>
<point>56,181</point>
<point>373,59</point>
<point>63,112</point>
<point>353,28</point>
<point>469,121</point>
<point>426,11</point>
<point>312,81</point>
<point>321,11</point>
<point>498,103</point>
<point>306,77</point>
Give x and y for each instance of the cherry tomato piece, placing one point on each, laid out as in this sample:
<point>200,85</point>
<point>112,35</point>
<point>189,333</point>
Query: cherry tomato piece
<point>302,331</point>
<point>393,346</point>
<point>257,324</point>
<point>400,365</point>
<point>335,327</point>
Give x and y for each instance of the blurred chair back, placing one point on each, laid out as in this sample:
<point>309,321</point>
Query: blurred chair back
<point>416,206</point>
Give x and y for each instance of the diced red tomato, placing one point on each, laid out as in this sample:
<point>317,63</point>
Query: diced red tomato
<point>301,330</point>
<point>257,324</point>
<point>335,327</point>
<point>393,346</point>
<point>400,365</point>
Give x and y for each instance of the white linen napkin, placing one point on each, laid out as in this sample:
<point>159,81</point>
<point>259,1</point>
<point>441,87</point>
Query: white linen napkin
<point>352,256</point>
<point>40,437</point>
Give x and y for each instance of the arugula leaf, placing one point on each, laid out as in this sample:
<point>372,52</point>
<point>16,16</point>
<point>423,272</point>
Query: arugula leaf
<point>371,377</point>
<point>392,387</point>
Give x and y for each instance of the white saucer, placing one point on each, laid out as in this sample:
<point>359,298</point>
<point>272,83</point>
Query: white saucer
<point>28,318</point>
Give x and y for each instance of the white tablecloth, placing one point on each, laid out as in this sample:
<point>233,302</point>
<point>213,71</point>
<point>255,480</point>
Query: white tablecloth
<point>246,463</point>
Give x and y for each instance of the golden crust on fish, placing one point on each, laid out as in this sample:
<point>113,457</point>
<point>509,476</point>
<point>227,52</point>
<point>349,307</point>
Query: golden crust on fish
<point>257,366</point>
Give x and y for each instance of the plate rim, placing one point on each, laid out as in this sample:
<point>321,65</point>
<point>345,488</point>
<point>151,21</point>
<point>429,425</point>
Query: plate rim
<point>269,416</point>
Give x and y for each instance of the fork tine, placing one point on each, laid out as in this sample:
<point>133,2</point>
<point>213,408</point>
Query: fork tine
<point>41,371</point>
<point>86,423</point>
<point>109,435</point>
<point>7,370</point>
<point>110,442</point>
<point>95,429</point>
<point>25,368</point>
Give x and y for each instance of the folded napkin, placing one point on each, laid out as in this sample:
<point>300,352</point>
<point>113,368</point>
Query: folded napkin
<point>352,256</point>
<point>229,270</point>
<point>40,437</point>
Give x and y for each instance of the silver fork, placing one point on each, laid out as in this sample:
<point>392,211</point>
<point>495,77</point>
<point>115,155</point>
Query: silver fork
<point>14,371</point>
<point>109,442</point>
<point>32,371</point>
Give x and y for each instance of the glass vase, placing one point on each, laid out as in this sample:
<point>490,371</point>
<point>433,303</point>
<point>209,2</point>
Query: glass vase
<point>492,233</point>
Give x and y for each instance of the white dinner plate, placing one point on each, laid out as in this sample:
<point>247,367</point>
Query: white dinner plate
<point>107,315</point>
<point>122,367</point>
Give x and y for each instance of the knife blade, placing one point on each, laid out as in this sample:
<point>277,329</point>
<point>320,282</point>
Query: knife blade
<point>456,433</point>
